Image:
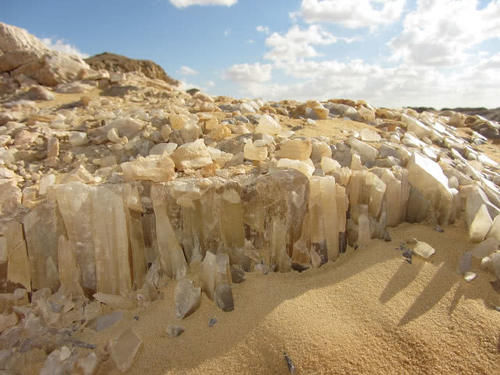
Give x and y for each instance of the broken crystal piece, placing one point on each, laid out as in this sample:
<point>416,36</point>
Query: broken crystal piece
<point>187,298</point>
<point>105,321</point>
<point>481,225</point>
<point>423,249</point>
<point>175,331</point>
<point>124,349</point>
<point>469,276</point>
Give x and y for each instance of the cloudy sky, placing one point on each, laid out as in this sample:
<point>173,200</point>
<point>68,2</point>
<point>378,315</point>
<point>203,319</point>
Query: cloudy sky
<point>440,53</point>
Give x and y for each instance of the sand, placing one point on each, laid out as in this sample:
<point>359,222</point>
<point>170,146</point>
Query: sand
<point>368,313</point>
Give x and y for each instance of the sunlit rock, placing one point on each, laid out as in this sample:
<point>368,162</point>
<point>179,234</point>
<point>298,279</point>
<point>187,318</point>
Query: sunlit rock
<point>192,155</point>
<point>306,167</point>
<point>155,168</point>
<point>268,125</point>
<point>297,149</point>
<point>423,249</point>
<point>481,225</point>
<point>254,152</point>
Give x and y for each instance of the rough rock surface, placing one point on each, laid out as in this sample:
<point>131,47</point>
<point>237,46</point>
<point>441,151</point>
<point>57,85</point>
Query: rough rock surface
<point>121,64</point>
<point>23,55</point>
<point>104,199</point>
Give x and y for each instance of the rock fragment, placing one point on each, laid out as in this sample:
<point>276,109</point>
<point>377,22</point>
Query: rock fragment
<point>124,349</point>
<point>187,298</point>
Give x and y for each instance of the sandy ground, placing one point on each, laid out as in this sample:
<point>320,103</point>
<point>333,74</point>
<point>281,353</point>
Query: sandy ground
<point>368,313</point>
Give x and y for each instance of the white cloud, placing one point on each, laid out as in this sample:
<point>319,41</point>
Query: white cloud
<point>248,73</point>
<point>442,32</point>
<point>210,84</point>
<point>188,3</point>
<point>250,41</point>
<point>297,43</point>
<point>352,14</point>
<point>432,61</point>
<point>227,32</point>
<point>61,46</point>
<point>262,29</point>
<point>187,71</point>
<point>393,87</point>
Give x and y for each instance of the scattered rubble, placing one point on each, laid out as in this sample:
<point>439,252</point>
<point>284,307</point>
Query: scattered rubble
<point>104,200</point>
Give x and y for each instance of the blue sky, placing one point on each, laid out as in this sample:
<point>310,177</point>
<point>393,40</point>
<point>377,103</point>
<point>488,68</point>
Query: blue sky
<point>391,53</point>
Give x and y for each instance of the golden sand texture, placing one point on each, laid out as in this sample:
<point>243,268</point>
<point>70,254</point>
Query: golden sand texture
<point>369,313</point>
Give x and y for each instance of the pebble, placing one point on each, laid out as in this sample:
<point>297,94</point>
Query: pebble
<point>212,322</point>
<point>175,331</point>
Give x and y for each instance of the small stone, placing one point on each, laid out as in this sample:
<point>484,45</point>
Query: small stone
<point>368,135</point>
<point>481,224</point>
<point>469,276</point>
<point>106,321</point>
<point>438,228</point>
<point>175,331</point>
<point>253,152</point>
<point>192,155</point>
<point>212,322</point>
<point>157,168</point>
<point>407,255</point>
<point>268,125</point>
<point>424,250</point>
<point>289,363</point>
<point>297,149</point>
<point>78,139</point>
<point>485,263</point>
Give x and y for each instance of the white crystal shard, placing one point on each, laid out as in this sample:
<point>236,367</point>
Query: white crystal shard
<point>481,225</point>
<point>268,125</point>
<point>192,155</point>
<point>172,258</point>
<point>124,349</point>
<point>368,135</point>
<point>306,167</point>
<point>253,152</point>
<point>157,168</point>
<point>423,249</point>
<point>187,298</point>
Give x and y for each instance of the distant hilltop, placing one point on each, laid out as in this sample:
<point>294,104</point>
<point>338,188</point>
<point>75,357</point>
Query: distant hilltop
<point>121,64</point>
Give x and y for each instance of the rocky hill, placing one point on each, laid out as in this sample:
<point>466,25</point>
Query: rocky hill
<point>121,64</point>
<point>158,202</point>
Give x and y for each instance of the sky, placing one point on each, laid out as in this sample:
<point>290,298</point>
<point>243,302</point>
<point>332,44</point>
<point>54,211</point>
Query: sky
<point>393,53</point>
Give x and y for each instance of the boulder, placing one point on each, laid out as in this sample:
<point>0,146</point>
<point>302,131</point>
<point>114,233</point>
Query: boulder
<point>25,55</point>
